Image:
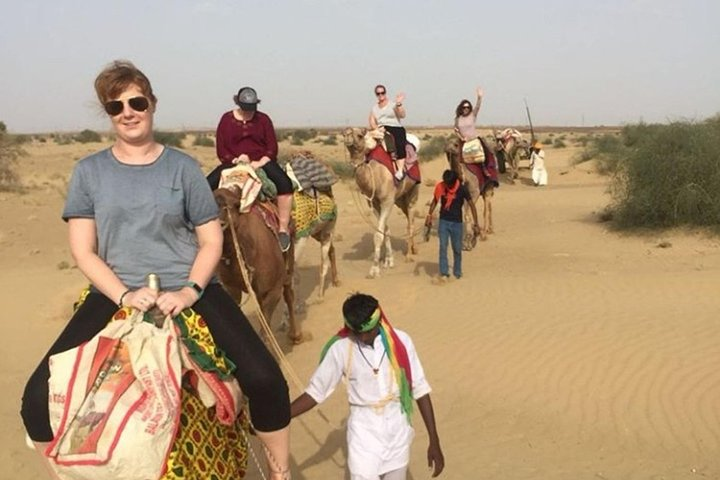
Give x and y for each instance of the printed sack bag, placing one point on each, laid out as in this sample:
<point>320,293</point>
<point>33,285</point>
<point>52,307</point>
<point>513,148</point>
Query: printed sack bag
<point>472,151</point>
<point>115,401</point>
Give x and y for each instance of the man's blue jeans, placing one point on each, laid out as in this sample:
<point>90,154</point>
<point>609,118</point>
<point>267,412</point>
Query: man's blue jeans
<point>454,232</point>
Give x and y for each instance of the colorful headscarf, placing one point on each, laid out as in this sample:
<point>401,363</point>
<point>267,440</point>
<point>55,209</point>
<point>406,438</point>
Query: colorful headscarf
<point>394,349</point>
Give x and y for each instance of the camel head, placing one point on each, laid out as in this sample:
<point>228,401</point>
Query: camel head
<point>227,199</point>
<point>354,140</point>
<point>452,153</point>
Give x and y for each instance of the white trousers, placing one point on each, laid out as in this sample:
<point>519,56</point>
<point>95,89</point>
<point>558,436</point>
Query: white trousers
<point>399,474</point>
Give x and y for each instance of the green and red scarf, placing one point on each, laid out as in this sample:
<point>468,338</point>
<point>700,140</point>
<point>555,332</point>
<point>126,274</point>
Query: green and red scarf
<point>395,351</point>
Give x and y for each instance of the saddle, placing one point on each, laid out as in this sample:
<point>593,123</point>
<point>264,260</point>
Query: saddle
<point>412,166</point>
<point>256,190</point>
<point>486,171</point>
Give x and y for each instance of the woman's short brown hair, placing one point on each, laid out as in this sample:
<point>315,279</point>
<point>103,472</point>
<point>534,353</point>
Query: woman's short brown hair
<point>117,77</point>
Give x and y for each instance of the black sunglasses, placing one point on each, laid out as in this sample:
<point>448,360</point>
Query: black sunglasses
<point>115,107</point>
<point>377,94</point>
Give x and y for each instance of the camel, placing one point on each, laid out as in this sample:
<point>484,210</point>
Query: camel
<point>316,218</point>
<point>376,183</point>
<point>509,146</point>
<point>270,271</point>
<point>486,190</point>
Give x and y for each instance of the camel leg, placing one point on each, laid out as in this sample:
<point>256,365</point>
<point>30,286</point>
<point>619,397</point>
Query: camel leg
<point>333,265</point>
<point>467,229</point>
<point>382,212</point>
<point>389,257</point>
<point>325,246</point>
<point>411,248</point>
<point>294,333</point>
<point>487,211</point>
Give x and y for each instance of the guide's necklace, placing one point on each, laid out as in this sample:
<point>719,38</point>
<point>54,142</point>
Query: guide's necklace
<point>374,369</point>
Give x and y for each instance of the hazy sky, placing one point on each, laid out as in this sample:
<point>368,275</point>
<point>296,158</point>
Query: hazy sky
<point>315,62</point>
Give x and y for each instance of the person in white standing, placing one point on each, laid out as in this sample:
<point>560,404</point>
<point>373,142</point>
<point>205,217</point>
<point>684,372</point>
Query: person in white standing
<point>537,164</point>
<point>383,375</point>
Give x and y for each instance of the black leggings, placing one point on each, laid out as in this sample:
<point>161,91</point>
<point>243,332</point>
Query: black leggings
<point>272,169</point>
<point>398,134</point>
<point>257,371</point>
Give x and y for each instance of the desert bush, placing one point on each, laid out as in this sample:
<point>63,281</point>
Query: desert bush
<point>63,139</point>
<point>330,140</point>
<point>342,169</point>
<point>298,137</point>
<point>558,143</point>
<point>171,139</point>
<point>547,141</point>
<point>9,152</point>
<point>432,148</point>
<point>668,175</point>
<point>608,150</point>
<point>88,136</point>
<point>203,141</point>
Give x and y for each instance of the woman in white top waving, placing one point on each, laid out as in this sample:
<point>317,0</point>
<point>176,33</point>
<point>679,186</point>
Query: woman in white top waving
<point>388,115</point>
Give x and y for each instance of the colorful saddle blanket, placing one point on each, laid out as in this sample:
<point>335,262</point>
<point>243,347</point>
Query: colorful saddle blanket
<point>205,446</point>
<point>486,172</point>
<point>379,155</point>
<point>308,211</point>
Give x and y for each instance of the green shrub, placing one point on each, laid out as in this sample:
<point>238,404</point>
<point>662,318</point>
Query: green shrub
<point>433,148</point>
<point>330,140</point>
<point>608,150</point>
<point>171,139</point>
<point>88,136</point>
<point>558,143</point>
<point>203,141</point>
<point>343,170</point>
<point>62,139</point>
<point>668,175</point>
<point>300,136</point>
<point>9,152</point>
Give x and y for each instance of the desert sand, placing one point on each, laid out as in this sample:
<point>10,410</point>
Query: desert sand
<point>567,350</point>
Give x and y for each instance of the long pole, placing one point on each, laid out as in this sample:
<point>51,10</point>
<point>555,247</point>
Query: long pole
<point>532,132</point>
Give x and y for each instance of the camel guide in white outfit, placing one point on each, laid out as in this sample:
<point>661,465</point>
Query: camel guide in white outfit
<point>383,375</point>
<point>537,164</point>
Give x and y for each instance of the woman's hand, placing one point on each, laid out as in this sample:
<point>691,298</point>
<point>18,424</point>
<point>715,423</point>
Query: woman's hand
<point>399,98</point>
<point>480,92</point>
<point>260,163</point>
<point>142,299</point>
<point>172,303</point>
<point>241,159</point>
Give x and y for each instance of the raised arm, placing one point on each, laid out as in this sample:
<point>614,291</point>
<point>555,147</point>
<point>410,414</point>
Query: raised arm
<point>478,102</point>
<point>399,108</point>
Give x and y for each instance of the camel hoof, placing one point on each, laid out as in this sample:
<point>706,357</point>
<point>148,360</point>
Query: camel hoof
<point>414,250</point>
<point>297,338</point>
<point>374,272</point>
<point>336,283</point>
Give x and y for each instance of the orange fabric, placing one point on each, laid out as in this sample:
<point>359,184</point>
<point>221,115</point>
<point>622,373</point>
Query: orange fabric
<point>442,190</point>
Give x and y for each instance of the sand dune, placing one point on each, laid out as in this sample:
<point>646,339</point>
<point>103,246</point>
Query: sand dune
<point>567,351</point>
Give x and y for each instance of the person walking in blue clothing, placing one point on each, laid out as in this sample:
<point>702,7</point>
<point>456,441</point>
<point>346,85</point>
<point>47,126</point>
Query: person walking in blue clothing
<point>451,194</point>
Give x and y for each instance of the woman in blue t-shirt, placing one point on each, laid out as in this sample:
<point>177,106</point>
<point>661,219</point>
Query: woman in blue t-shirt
<point>140,207</point>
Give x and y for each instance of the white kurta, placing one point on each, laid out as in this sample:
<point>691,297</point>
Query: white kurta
<point>378,432</point>
<point>537,163</point>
